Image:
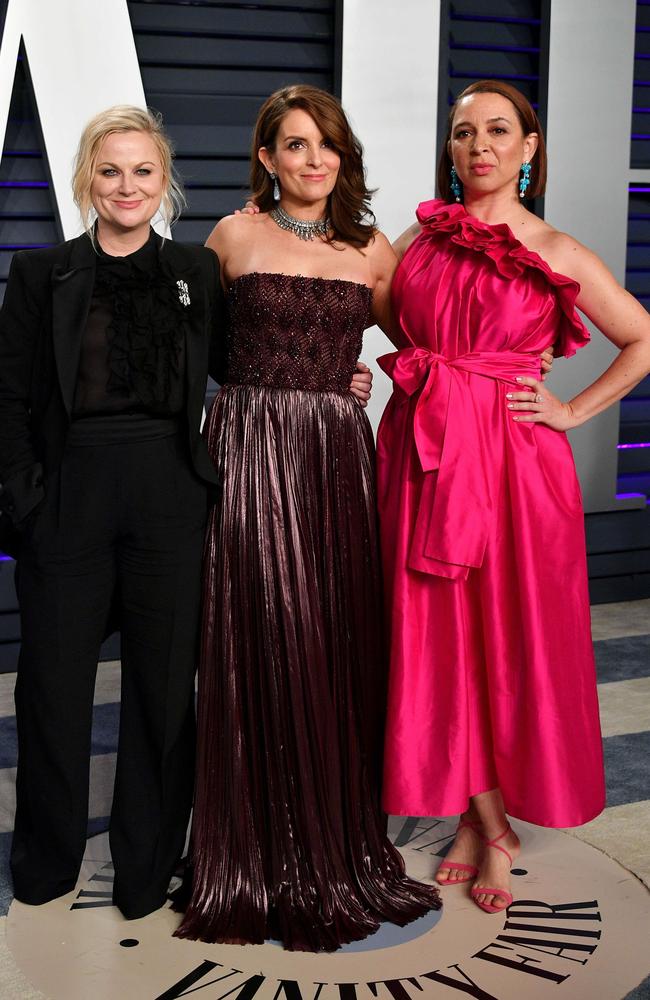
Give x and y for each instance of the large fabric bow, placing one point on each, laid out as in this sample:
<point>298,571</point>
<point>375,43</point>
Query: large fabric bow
<point>455,507</point>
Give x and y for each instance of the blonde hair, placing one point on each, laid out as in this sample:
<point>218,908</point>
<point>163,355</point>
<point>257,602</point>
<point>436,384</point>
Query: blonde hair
<point>124,118</point>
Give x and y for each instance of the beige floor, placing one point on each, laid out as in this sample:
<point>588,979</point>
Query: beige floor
<point>13,984</point>
<point>613,621</point>
<point>625,706</point>
<point>621,832</point>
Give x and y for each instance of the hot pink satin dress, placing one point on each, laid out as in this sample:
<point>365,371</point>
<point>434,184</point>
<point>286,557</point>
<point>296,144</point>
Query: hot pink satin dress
<point>492,669</point>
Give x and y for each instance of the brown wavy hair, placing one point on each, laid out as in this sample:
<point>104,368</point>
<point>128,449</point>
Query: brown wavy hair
<point>348,205</point>
<point>529,123</point>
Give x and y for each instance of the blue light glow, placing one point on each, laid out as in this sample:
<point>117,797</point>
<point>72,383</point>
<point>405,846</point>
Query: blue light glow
<point>24,184</point>
<point>492,18</point>
<point>25,246</point>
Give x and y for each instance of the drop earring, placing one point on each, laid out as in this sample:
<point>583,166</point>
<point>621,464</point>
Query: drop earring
<point>455,184</point>
<point>524,180</point>
<point>276,186</point>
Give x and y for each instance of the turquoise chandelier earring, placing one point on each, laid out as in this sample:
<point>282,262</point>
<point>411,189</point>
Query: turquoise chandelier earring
<point>524,180</point>
<point>454,184</point>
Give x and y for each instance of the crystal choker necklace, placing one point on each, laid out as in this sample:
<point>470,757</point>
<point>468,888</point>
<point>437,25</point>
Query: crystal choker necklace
<point>303,229</point>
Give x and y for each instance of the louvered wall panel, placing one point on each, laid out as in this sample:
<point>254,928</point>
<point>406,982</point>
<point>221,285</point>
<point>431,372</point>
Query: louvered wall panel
<point>618,543</point>
<point>497,39</point>
<point>634,457</point>
<point>27,208</point>
<point>27,219</point>
<point>640,133</point>
<point>208,66</point>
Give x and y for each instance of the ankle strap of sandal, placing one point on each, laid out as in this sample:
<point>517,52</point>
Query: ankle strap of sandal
<point>494,843</point>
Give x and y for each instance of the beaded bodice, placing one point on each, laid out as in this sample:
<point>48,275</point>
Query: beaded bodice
<point>295,332</point>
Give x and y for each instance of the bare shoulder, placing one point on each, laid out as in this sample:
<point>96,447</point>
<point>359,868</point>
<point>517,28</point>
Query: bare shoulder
<point>382,258</point>
<point>380,250</point>
<point>602,298</point>
<point>232,230</point>
<point>403,242</point>
<point>566,255</point>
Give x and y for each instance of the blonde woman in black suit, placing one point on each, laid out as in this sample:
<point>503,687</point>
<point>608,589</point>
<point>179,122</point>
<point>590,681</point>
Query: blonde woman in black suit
<point>105,346</point>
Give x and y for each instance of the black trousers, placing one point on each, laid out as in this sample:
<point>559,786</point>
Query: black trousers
<point>122,526</point>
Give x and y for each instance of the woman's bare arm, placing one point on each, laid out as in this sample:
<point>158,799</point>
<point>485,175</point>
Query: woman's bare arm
<point>403,242</point>
<point>621,319</point>
<point>383,264</point>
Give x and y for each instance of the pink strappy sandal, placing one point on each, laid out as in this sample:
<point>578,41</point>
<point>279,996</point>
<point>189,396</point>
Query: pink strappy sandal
<point>449,865</point>
<point>484,890</point>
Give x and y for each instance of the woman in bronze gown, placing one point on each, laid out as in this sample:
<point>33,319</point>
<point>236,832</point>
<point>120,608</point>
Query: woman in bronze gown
<point>288,838</point>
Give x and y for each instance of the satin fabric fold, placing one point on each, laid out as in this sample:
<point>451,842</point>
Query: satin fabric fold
<point>451,534</point>
<point>492,678</point>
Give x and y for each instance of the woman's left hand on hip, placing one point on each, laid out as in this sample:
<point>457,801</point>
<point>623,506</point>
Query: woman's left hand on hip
<point>538,405</point>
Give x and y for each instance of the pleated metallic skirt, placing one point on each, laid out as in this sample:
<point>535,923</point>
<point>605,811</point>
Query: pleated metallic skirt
<point>288,839</point>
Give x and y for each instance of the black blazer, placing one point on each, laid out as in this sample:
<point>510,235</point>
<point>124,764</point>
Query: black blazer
<point>41,325</point>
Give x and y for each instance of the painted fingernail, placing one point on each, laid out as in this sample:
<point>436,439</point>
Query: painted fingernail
<point>518,378</point>
<point>511,406</point>
<point>508,395</point>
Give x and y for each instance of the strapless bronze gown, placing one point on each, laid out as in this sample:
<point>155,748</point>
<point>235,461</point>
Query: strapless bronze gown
<point>288,838</point>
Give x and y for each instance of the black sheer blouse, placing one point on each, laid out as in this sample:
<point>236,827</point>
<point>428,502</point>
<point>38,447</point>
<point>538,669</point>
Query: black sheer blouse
<point>133,347</point>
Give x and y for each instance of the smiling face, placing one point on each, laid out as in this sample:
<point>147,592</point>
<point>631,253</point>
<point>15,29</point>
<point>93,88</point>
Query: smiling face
<point>487,143</point>
<point>127,185</point>
<point>305,161</point>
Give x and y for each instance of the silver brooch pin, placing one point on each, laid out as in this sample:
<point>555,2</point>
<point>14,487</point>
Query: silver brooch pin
<point>183,293</point>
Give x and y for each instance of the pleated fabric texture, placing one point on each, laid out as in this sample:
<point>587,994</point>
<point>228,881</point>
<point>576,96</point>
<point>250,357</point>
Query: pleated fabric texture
<point>288,838</point>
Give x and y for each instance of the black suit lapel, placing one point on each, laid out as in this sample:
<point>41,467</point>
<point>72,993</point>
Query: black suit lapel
<point>196,342</point>
<point>191,284</point>
<point>72,288</point>
<point>183,267</point>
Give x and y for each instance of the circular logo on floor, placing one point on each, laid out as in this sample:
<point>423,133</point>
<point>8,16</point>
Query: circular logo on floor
<point>577,928</point>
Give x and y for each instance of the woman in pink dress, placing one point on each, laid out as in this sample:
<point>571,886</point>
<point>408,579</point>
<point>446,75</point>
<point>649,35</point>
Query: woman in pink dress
<point>492,705</point>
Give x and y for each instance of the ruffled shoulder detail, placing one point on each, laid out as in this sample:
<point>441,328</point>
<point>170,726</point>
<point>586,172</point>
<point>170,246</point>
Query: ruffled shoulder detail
<point>511,259</point>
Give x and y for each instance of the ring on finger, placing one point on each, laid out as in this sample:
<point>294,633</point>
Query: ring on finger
<point>539,398</point>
